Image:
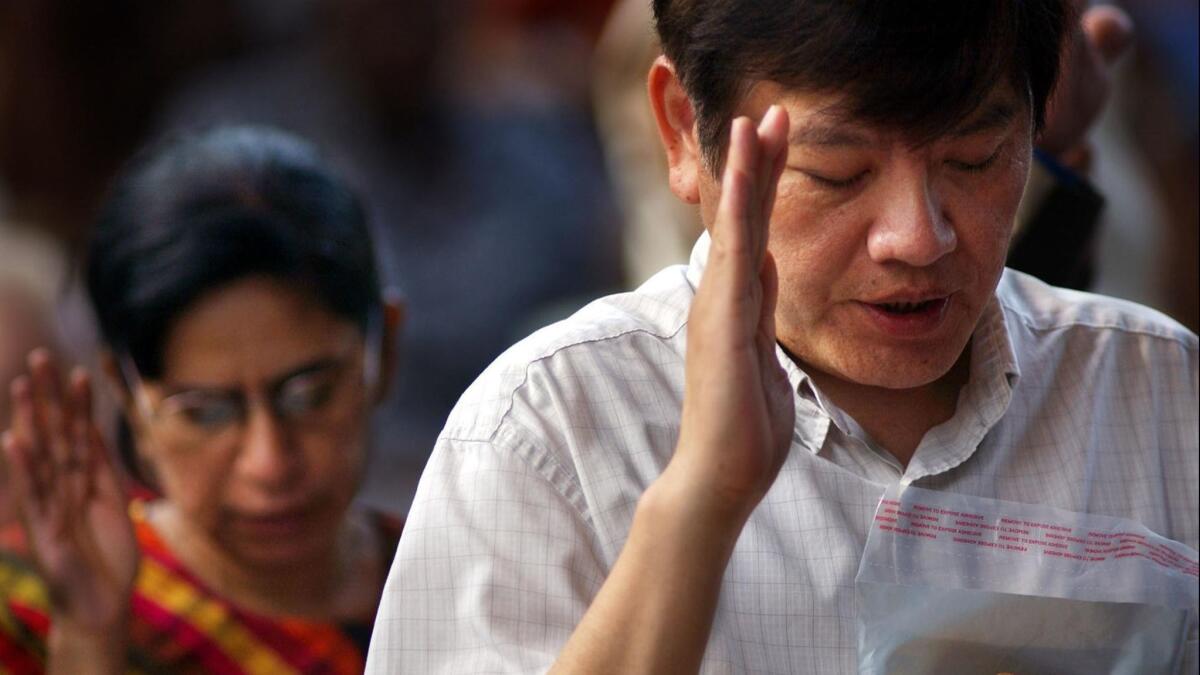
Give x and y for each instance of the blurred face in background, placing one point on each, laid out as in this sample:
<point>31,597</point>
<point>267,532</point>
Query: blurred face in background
<point>256,430</point>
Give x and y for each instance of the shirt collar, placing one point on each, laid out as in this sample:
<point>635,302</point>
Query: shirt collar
<point>698,260</point>
<point>981,403</point>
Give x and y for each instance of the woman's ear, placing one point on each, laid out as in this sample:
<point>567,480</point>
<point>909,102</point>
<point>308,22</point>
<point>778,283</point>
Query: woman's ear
<point>395,312</point>
<point>676,121</point>
<point>133,448</point>
<point>122,392</point>
<point>116,382</point>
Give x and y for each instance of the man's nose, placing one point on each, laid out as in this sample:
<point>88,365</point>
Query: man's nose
<point>911,226</point>
<point>266,457</point>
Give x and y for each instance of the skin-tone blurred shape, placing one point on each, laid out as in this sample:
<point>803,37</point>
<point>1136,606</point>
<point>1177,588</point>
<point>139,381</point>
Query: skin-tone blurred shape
<point>25,328</point>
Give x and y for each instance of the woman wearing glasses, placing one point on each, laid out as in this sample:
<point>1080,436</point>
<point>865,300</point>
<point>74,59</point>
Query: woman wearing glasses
<point>235,287</point>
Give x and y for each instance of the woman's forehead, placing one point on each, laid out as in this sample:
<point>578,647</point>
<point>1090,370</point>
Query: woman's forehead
<point>251,331</point>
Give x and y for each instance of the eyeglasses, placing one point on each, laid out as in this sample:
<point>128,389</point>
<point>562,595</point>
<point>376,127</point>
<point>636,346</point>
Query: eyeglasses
<point>319,397</point>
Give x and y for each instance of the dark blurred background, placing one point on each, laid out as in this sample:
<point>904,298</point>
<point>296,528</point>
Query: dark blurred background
<point>501,146</point>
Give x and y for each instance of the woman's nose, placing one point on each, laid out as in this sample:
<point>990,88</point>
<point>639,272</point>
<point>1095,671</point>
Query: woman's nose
<point>266,456</point>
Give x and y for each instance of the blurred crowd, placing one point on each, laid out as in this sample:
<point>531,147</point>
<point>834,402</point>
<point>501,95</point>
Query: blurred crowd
<point>501,148</point>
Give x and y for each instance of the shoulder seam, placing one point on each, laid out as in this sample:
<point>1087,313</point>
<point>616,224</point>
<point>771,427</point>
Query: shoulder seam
<point>1028,322</point>
<point>493,435</point>
<point>525,375</point>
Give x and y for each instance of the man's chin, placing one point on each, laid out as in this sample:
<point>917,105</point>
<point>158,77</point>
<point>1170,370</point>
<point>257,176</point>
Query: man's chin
<point>897,368</point>
<point>900,380</point>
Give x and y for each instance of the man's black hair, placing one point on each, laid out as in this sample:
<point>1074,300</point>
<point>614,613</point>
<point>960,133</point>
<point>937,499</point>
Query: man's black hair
<point>917,66</point>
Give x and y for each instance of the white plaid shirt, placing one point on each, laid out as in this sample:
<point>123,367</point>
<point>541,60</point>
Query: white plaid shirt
<point>1074,401</point>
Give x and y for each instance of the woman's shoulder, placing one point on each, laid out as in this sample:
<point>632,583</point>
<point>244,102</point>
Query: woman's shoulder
<point>189,625</point>
<point>181,625</point>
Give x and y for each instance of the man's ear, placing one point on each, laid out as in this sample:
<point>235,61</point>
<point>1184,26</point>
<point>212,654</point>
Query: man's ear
<point>676,122</point>
<point>395,312</point>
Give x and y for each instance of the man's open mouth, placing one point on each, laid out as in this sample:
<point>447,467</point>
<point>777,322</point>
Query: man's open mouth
<point>909,307</point>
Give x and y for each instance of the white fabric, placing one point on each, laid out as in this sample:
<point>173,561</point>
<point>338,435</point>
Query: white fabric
<point>1075,401</point>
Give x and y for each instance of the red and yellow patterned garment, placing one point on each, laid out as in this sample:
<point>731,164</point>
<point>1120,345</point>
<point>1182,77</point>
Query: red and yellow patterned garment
<point>180,625</point>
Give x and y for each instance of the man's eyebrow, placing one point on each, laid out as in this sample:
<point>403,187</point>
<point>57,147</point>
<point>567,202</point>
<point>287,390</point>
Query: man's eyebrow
<point>993,117</point>
<point>826,135</point>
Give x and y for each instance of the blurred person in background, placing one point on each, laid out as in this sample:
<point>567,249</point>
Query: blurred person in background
<point>465,125</point>
<point>1148,162</point>
<point>245,332</point>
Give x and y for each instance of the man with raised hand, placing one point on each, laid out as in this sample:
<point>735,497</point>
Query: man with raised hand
<point>682,478</point>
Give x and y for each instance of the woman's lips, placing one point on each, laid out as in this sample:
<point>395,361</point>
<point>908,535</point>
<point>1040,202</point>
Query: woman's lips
<point>908,319</point>
<point>275,524</point>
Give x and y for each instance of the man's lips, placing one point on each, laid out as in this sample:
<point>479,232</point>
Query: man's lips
<point>908,315</point>
<point>910,296</point>
<point>908,306</point>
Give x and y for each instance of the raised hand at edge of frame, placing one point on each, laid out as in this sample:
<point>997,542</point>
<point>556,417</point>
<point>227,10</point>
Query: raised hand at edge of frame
<point>1104,34</point>
<point>72,505</point>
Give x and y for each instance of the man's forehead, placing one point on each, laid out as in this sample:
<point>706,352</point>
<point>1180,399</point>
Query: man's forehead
<point>826,119</point>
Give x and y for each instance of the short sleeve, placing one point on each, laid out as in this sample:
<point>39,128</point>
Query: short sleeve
<point>495,568</point>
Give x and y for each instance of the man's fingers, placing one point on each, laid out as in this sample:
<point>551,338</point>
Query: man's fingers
<point>766,155</point>
<point>772,140</point>
<point>745,165</point>
<point>731,231</point>
<point>772,136</point>
<point>773,133</point>
<point>1110,31</point>
<point>752,167</point>
<point>768,278</point>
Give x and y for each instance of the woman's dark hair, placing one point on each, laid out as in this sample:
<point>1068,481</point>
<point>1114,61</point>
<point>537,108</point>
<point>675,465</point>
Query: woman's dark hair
<point>202,210</point>
<point>917,67</point>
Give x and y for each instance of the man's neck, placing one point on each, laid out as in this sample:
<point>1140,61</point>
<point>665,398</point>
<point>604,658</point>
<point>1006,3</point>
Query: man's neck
<point>897,419</point>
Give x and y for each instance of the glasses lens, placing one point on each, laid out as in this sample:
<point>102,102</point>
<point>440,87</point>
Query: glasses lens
<point>200,413</point>
<point>319,400</point>
<point>304,394</point>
